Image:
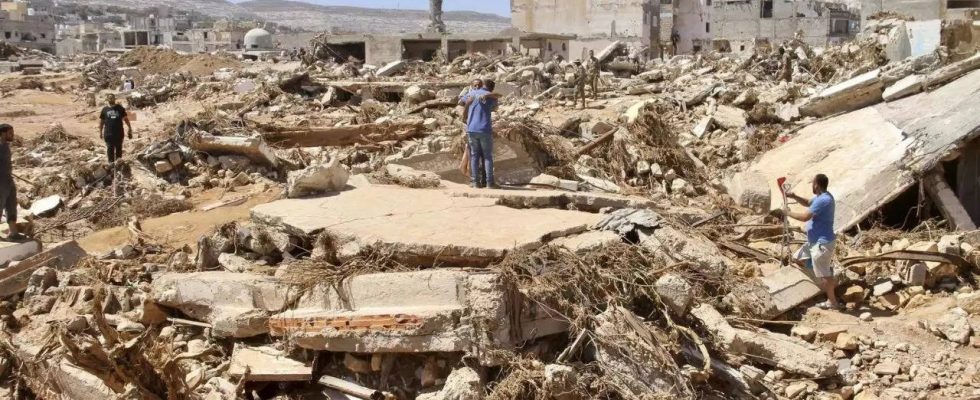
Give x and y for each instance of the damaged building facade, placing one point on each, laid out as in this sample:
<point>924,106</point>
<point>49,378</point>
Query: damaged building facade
<point>595,24</point>
<point>741,25</point>
<point>27,24</point>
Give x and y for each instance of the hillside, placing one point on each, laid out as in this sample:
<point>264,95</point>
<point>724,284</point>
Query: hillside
<point>213,8</point>
<point>302,15</point>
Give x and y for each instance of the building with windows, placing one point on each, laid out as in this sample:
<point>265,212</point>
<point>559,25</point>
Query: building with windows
<point>595,24</point>
<point>25,26</point>
<point>741,25</point>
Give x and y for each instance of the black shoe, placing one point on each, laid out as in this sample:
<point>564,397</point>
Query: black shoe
<point>16,237</point>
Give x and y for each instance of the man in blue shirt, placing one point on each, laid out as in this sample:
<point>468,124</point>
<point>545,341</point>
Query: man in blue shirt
<point>480,104</point>
<point>820,237</point>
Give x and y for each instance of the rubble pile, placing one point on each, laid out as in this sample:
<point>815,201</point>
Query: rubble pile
<point>630,254</point>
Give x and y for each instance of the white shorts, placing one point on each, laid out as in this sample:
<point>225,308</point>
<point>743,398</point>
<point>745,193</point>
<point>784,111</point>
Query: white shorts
<point>819,257</point>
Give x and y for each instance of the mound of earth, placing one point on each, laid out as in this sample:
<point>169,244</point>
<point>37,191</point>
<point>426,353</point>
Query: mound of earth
<point>152,60</point>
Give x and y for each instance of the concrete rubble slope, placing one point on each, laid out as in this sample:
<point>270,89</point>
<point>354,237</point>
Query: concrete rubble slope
<point>425,311</point>
<point>892,142</point>
<point>365,217</point>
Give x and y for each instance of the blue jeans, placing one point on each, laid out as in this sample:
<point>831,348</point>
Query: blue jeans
<point>481,149</point>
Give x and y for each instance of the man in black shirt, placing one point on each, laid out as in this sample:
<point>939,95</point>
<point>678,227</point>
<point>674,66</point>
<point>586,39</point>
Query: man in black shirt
<point>8,191</point>
<point>111,127</point>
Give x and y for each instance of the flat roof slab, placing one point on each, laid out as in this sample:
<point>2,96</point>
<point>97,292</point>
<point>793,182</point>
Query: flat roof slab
<point>427,225</point>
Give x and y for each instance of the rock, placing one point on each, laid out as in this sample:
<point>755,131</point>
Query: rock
<point>728,117</point>
<point>846,341</point>
<point>888,367</point>
<point>642,168</point>
<point>949,244</point>
<point>969,302</point>
<point>560,382</point>
<point>430,124</point>
<point>746,99</point>
<point>681,186</point>
<point>795,389</point>
<point>357,364</point>
<point>751,374</point>
<point>125,252</point>
<point>804,332</point>
<point>234,263</point>
<point>916,274</point>
<point>954,326</point>
<point>416,95</point>
<point>316,179</point>
<point>893,301</point>
<point>830,333</point>
<point>77,324</point>
<point>464,384</point>
<point>749,189</point>
<point>413,178</point>
<point>175,158</point>
<point>676,292</point>
<point>883,288</point>
<point>163,166</point>
<point>47,206</point>
<point>241,179</point>
<point>865,316</point>
<point>41,279</point>
<point>854,294</point>
<point>702,127</point>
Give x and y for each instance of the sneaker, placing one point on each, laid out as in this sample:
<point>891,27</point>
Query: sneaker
<point>826,305</point>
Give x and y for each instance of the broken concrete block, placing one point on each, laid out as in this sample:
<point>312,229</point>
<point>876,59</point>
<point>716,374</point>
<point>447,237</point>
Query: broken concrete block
<point>391,68</point>
<point>423,311</point>
<point>888,367</point>
<point>417,95</point>
<point>47,206</point>
<point>854,294</point>
<point>858,92</point>
<point>789,287</point>
<point>882,288</point>
<point>411,177</point>
<point>587,241</point>
<point>233,263</point>
<point>461,384</point>
<point>252,147</point>
<point>846,341</point>
<point>317,179</point>
<point>14,279</point>
<point>784,352</point>
<point>804,332</point>
<point>554,182</point>
<point>916,274</point>
<point>634,361</point>
<point>951,71</point>
<point>267,364</point>
<point>969,302</point>
<point>235,304</point>
<point>729,117</point>
<point>749,189</point>
<point>674,246</point>
<point>906,86</point>
<point>954,326</point>
<point>787,112</point>
<point>675,292</point>
<point>702,127</point>
<point>162,166</point>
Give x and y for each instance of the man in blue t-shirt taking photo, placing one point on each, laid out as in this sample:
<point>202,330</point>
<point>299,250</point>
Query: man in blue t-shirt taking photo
<point>820,237</point>
<point>480,104</point>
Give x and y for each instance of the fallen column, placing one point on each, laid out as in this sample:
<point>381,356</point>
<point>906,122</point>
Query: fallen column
<point>342,135</point>
<point>61,256</point>
<point>252,147</point>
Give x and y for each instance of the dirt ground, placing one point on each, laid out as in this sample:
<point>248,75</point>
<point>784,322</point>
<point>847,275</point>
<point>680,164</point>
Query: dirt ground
<point>186,227</point>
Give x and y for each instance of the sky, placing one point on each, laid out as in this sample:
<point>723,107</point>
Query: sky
<point>499,7</point>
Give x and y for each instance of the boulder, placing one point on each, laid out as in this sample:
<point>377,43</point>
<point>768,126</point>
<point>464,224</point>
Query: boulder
<point>729,117</point>
<point>317,179</point>
<point>675,292</point>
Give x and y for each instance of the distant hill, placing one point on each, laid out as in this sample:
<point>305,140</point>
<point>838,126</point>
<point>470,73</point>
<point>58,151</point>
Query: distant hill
<point>343,19</point>
<point>213,8</point>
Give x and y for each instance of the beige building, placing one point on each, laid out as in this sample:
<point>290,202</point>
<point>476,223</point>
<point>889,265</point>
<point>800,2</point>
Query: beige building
<point>740,25</point>
<point>24,26</point>
<point>594,23</point>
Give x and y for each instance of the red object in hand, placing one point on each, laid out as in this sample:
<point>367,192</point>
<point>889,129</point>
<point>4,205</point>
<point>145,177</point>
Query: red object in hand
<point>781,181</point>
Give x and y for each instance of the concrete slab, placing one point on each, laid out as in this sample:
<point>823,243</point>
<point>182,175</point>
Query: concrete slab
<point>511,163</point>
<point>235,304</point>
<point>425,311</point>
<point>588,241</point>
<point>420,225</point>
<point>585,201</point>
<point>852,94</point>
<point>267,364</point>
<point>62,255</point>
<point>789,287</point>
<point>13,251</point>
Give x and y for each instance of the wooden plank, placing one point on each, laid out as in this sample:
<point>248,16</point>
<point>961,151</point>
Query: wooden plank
<point>968,179</point>
<point>341,135</point>
<point>947,202</point>
<point>350,388</point>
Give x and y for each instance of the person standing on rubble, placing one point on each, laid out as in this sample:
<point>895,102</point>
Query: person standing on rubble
<point>580,80</point>
<point>111,127</point>
<point>818,251</point>
<point>593,70</point>
<point>480,105</point>
<point>8,189</point>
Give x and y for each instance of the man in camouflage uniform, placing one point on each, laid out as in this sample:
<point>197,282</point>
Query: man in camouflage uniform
<point>592,67</point>
<point>581,78</point>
